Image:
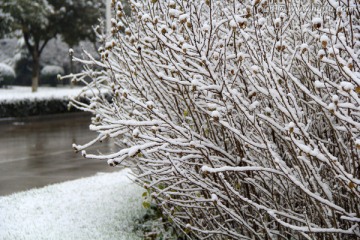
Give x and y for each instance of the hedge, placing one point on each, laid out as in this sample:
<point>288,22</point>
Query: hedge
<point>27,107</point>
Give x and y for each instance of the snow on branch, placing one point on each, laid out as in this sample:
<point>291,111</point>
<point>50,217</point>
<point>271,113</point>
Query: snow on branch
<point>241,117</point>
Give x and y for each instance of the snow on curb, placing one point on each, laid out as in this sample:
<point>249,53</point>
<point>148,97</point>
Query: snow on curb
<point>99,207</point>
<point>17,93</point>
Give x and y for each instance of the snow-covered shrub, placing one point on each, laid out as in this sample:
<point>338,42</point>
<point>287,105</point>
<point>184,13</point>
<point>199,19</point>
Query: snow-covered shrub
<point>7,75</point>
<point>22,63</point>
<point>241,117</point>
<point>49,74</point>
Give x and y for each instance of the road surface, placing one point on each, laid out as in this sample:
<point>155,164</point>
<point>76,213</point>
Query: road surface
<point>37,151</point>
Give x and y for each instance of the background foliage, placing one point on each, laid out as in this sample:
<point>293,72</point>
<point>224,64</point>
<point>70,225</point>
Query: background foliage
<point>39,21</point>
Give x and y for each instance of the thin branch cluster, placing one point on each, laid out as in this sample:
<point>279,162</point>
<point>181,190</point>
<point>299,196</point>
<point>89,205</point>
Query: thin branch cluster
<point>241,118</point>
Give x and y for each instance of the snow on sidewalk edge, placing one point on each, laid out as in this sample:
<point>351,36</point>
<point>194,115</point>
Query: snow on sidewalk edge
<point>99,207</point>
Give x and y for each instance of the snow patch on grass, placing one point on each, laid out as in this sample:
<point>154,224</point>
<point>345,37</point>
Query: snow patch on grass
<point>99,207</point>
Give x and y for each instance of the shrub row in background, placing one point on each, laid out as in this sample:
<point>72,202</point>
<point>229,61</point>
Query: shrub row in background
<point>7,75</point>
<point>26,107</point>
<point>49,75</point>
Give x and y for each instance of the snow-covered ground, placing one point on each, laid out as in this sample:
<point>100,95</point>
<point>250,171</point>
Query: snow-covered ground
<point>18,93</point>
<point>99,207</point>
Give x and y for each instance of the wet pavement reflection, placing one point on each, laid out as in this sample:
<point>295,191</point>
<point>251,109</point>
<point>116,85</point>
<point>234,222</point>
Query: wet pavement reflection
<point>37,151</point>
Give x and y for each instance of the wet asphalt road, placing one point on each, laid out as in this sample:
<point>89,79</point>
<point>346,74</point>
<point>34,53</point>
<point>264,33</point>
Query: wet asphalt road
<point>37,151</point>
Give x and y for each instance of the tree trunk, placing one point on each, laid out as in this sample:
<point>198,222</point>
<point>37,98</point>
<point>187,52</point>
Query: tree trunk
<point>35,71</point>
